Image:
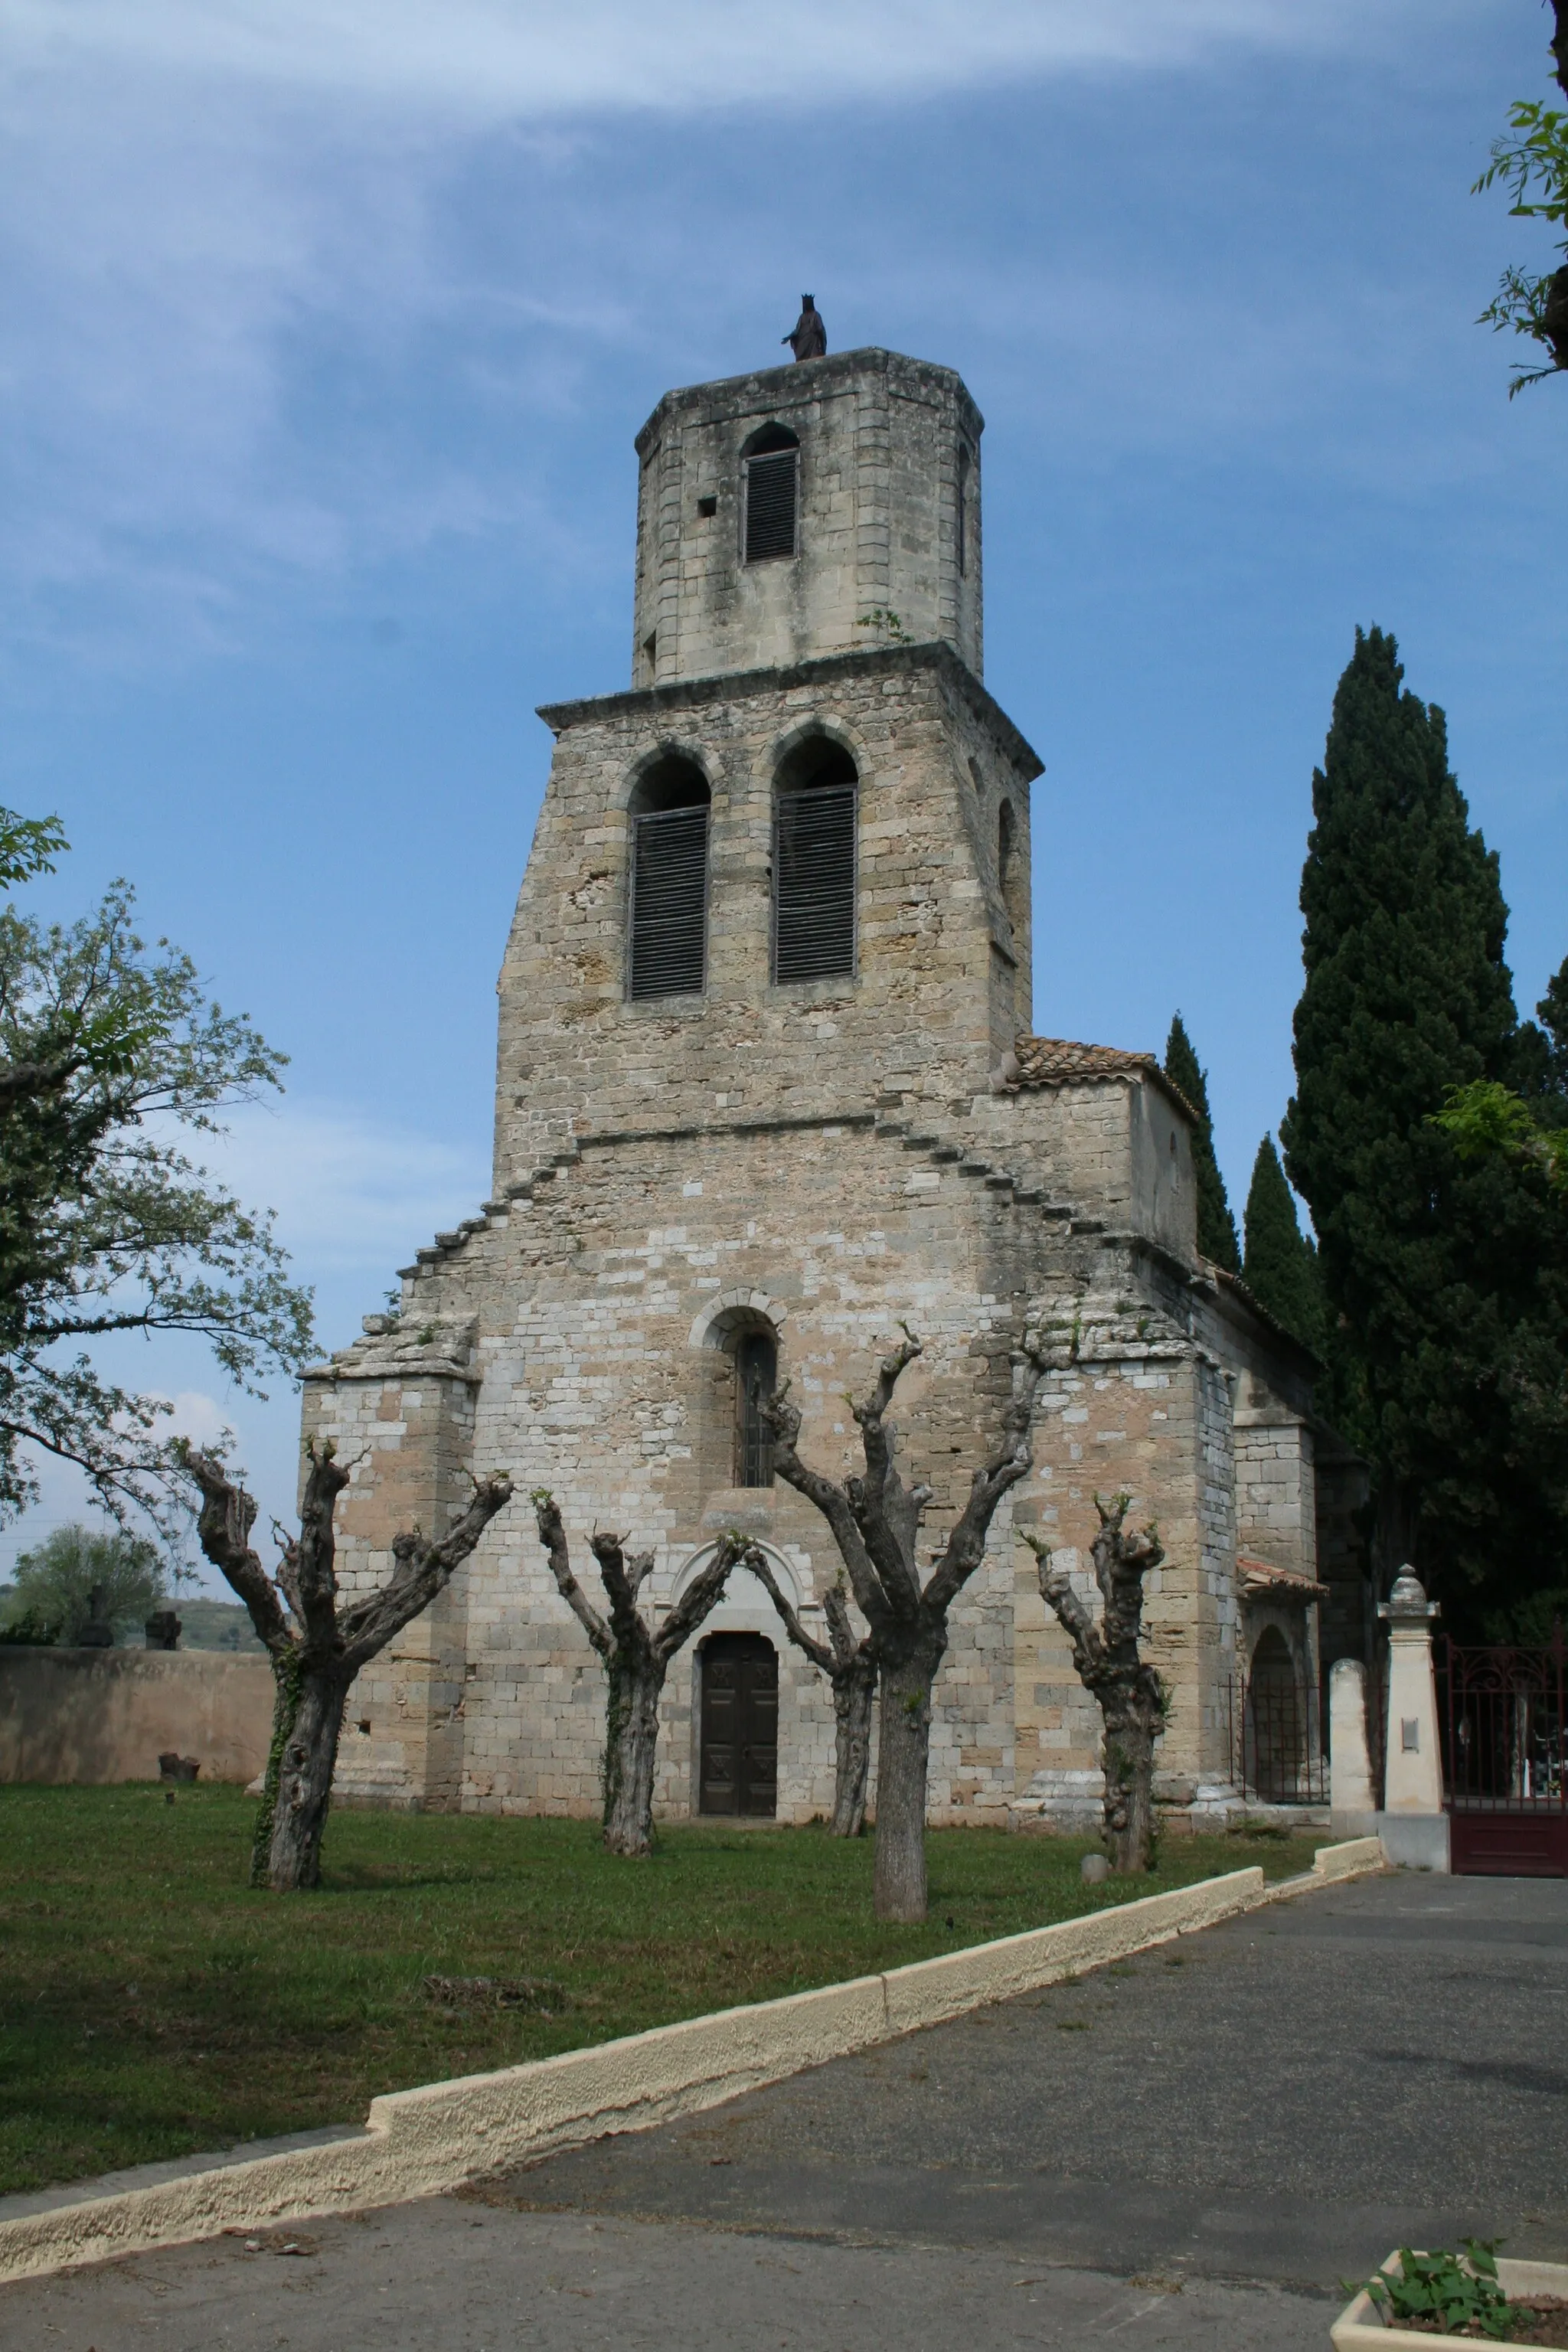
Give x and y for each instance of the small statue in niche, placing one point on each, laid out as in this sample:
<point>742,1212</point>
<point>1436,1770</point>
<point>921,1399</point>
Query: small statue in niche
<point>809,339</point>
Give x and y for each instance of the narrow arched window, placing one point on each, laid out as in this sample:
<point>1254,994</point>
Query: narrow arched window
<point>1009,868</point>
<point>756,1375</point>
<point>667,913</point>
<point>815,825</point>
<point>773,493</point>
<point>962,514</point>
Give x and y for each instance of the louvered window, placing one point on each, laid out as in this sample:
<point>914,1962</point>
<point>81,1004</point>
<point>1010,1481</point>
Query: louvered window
<point>814,881</point>
<point>669,903</point>
<point>773,482</point>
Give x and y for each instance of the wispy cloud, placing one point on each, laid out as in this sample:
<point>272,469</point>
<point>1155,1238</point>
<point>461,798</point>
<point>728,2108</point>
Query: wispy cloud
<point>536,58</point>
<point>354,1194</point>
<point>229,231</point>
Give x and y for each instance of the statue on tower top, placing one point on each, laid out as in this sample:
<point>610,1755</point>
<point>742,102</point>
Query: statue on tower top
<point>809,339</point>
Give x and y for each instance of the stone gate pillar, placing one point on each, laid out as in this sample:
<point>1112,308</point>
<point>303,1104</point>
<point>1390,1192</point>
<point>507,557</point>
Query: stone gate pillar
<point>1413,1826</point>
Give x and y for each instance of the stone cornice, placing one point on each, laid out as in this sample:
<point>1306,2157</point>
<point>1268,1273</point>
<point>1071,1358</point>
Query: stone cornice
<point>869,661</point>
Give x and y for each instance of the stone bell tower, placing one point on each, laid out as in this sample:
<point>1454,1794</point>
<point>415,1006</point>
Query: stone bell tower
<point>807,510</point>
<point>787,873</point>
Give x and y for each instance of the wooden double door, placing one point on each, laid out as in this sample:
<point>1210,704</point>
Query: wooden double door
<point>740,1751</point>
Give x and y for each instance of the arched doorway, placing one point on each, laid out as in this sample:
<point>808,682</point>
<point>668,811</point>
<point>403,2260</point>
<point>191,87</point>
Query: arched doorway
<point>1277,1727</point>
<point>738,1771</point>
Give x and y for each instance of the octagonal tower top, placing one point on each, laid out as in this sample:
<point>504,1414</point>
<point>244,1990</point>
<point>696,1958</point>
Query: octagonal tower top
<point>807,509</point>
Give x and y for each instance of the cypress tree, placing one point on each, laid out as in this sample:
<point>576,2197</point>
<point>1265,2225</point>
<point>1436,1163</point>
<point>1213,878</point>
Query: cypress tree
<point>1216,1226</point>
<point>1443,1279</point>
<point>1281,1268</point>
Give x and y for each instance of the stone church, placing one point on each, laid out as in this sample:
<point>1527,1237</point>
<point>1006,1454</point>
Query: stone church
<point>765,1088</point>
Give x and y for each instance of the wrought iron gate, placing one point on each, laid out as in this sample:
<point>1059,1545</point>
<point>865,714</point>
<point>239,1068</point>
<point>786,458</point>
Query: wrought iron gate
<point>1274,1725</point>
<point>1505,1780</point>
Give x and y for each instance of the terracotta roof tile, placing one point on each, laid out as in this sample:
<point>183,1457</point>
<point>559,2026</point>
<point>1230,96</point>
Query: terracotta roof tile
<point>1260,1576</point>
<point>1061,1061</point>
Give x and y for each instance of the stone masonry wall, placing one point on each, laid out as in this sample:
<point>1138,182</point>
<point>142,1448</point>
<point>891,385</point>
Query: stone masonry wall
<point>883,441</point>
<point>575,1056</point>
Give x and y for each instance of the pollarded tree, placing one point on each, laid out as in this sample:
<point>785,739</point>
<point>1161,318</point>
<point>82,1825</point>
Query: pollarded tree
<point>850,1662</point>
<point>876,1524</point>
<point>1216,1226</point>
<point>317,1645</point>
<point>636,1658</point>
<point>1132,1698</point>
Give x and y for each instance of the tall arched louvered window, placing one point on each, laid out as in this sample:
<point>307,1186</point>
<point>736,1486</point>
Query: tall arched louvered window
<point>815,825</point>
<point>773,493</point>
<point>667,946</point>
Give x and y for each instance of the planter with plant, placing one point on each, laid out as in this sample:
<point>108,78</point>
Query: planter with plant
<point>1469,2294</point>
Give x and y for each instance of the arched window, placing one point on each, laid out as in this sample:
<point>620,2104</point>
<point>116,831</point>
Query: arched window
<point>772,488</point>
<point>1011,872</point>
<point>756,1375</point>
<point>963,515</point>
<point>667,948</point>
<point>815,825</point>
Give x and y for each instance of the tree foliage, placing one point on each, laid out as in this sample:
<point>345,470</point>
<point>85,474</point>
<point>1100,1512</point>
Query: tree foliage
<point>1447,1277</point>
<point>1216,1226</point>
<point>1531,164</point>
<point>108,1052</point>
<point>55,1584</point>
<point>1280,1264</point>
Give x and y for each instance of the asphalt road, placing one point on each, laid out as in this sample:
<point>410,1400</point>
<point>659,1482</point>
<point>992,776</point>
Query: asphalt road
<point>1190,2148</point>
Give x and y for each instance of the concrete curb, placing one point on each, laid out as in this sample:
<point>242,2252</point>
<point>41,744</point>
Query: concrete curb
<point>419,2143</point>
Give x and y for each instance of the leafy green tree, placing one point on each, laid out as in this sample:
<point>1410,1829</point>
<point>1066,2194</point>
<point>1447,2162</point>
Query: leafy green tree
<point>1447,1279</point>
<point>1281,1266</point>
<point>53,1584</point>
<point>1531,164</point>
<point>1216,1226</point>
<point>107,1052</point>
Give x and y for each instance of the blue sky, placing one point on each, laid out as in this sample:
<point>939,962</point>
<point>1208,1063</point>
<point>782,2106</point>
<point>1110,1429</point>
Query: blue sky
<point>327,328</point>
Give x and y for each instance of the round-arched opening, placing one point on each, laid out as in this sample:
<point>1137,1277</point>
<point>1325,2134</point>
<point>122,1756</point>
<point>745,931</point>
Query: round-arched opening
<point>756,1359</point>
<point>1277,1725</point>
<point>666,913</point>
<point>816,836</point>
<point>769,439</point>
<point>771,464</point>
<point>670,782</point>
<point>1010,872</point>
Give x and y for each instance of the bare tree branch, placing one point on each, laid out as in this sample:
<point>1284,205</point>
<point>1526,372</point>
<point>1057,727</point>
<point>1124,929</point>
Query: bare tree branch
<point>700,1598</point>
<point>553,1536</point>
<point>315,1659</point>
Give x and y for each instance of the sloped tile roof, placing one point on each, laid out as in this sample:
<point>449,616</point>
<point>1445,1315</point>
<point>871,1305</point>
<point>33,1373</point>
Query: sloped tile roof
<point>1062,1061</point>
<point>1261,1580</point>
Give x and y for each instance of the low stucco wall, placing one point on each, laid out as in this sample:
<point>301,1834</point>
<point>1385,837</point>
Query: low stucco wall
<point>104,1716</point>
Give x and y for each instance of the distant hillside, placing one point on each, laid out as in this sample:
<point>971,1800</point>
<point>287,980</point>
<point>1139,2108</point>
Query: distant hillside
<point>215,1625</point>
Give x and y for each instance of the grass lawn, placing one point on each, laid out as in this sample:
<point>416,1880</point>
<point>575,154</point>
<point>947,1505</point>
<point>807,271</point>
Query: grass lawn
<point>151,2005</point>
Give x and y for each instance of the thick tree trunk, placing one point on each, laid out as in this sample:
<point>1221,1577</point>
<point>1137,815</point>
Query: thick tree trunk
<point>1133,1724</point>
<point>631,1745</point>
<point>898,1878</point>
<point>853,1691</point>
<point>285,1706</point>
<point>305,1782</point>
